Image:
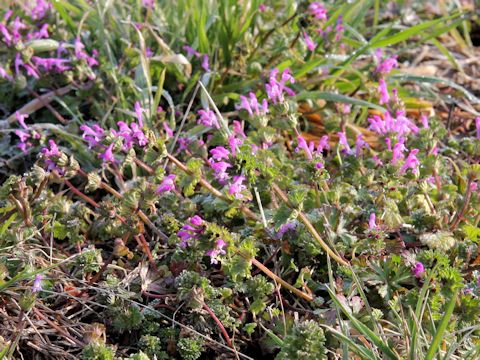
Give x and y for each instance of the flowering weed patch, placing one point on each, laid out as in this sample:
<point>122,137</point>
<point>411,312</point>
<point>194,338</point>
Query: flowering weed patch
<point>223,179</point>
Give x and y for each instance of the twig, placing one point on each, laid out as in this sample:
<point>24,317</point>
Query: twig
<point>303,218</point>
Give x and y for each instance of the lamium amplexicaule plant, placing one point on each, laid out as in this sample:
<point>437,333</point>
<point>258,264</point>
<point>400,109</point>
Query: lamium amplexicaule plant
<point>237,179</point>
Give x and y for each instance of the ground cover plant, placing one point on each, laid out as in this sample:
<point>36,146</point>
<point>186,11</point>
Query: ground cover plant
<point>239,179</point>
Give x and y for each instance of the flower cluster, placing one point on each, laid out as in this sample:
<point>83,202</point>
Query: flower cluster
<point>251,105</point>
<point>191,231</point>
<point>276,88</point>
<point>191,52</point>
<point>130,134</point>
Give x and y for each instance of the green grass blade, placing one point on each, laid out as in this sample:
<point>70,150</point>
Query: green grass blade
<point>330,96</point>
<point>441,328</point>
<point>358,349</point>
<point>364,330</point>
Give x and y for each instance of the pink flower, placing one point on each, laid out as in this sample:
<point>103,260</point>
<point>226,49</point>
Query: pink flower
<point>387,125</point>
<point>276,89</point>
<point>309,42</point>
<point>383,90</point>
<point>398,151</point>
<point>323,144</point>
<point>318,11</point>
<point>218,250</point>
<point>372,225</point>
<point>473,186</point>
<point>40,9</point>
<point>359,145</point>
<point>21,119</point>
<point>237,187</point>
<point>251,105</point>
<point>208,118</point>
<point>262,7</point>
<point>148,3</point>
<point>342,139</point>
<point>191,51</point>
<point>477,124</point>
<point>219,153</point>
<point>220,169</point>
<point>386,65</point>
<point>4,74</point>
<point>237,129</point>
<point>107,156</point>
<point>6,34</point>
<point>22,135</point>
<point>308,149</point>
<point>339,28</point>
<point>233,143</point>
<point>319,165</point>
<point>418,270</point>
<point>93,135</point>
<point>37,283</point>
<point>205,65</point>
<point>167,184</point>
<point>167,129</point>
<point>191,230</point>
<point>52,151</point>
<point>424,120</point>
<point>411,162</point>
<point>138,113</point>
<point>196,220</point>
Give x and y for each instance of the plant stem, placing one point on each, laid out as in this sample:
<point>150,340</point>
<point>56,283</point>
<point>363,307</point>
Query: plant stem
<point>303,218</point>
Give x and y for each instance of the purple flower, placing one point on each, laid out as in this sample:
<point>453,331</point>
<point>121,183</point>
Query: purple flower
<point>4,74</point>
<point>477,124</point>
<point>339,28</point>
<point>40,9</point>
<point>191,230</point>
<point>318,11</point>
<point>191,51</point>
<point>148,3</point>
<point>237,187</point>
<point>262,7</point>
<point>218,250</point>
<point>205,65</point>
<point>372,225</point>
<point>424,120</point>
<point>342,139</point>
<point>251,104</point>
<point>411,162</point>
<point>319,165</point>
<point>167,129</point>
<point>107,156</point>
<point>276,89</point>
<point>81,54</point>
<point>473,186</point>
<point>323,144</point>
<point>398,150</point>
<point>386,65</point>
<point>22,135</point>
<point>208,118</point>
<point>220,169</point>
<point>6,34</point>
<point>52,151</point>
<point>309,42</point>
<point>383,90</point>
<point>418,270</point>
<point>93,135</point>
<point>219,153</point>
<point>168,184</point>
<point>290,226</point>
<point>50,64</point>
<point>308,149</point>
<point>233,142</point>
<point>21,119</point>
<point>359,145</point>
<point>138,113</point>
<point>400,125</point>
<point>237,129</point>
<point>37,283</point>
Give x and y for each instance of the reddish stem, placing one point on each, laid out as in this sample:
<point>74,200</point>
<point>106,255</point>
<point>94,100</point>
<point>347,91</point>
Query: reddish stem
<point>219,324</point>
